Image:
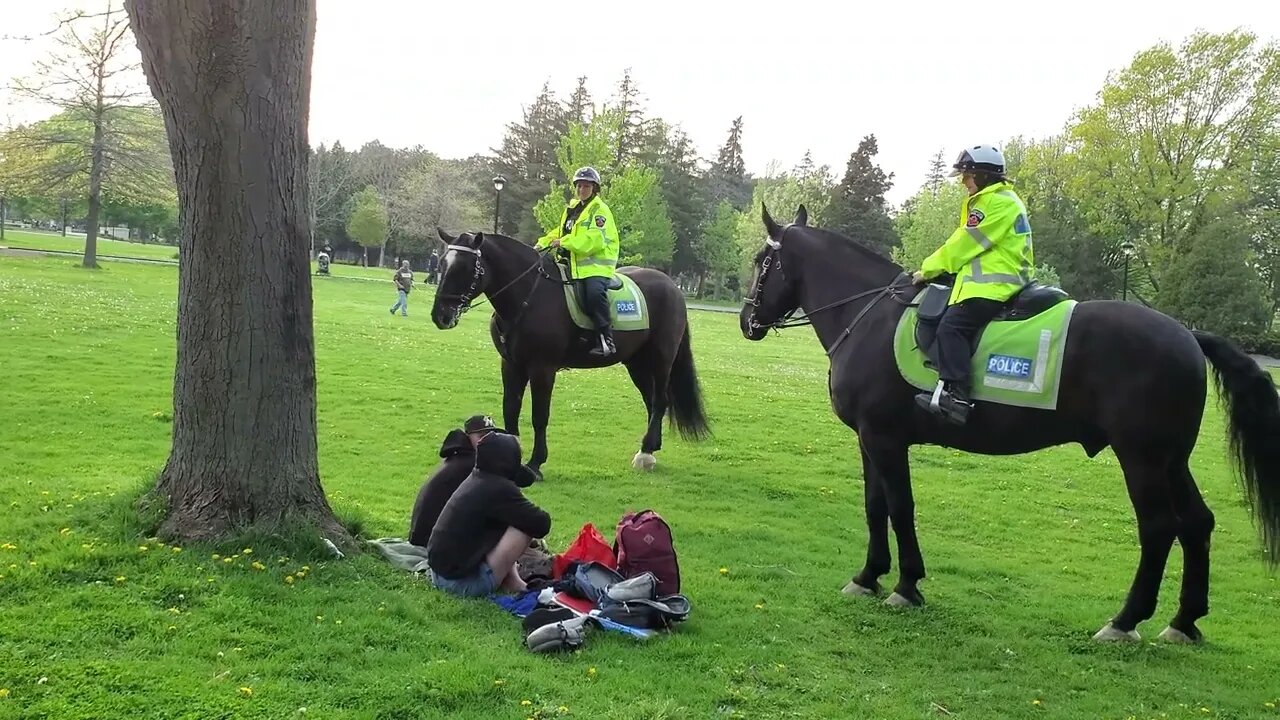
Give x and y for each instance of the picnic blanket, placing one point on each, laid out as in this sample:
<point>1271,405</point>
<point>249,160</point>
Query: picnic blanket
<point>402,554</point>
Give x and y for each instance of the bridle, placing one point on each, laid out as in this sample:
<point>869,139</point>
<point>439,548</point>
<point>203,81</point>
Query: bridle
<point>466,300</point>
<point>773,261</point>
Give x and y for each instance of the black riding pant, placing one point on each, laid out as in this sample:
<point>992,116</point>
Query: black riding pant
<point>957,335</point>
<point>594,292</point>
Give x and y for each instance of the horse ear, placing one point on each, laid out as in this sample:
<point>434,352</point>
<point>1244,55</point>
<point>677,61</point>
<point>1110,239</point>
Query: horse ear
<point>769,225</point>
<point>444,236</point>
<point>802,216</point>
<point>477,239</point>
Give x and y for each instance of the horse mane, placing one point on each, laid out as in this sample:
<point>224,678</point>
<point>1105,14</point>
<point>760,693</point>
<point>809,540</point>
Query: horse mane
<point>860,246</point>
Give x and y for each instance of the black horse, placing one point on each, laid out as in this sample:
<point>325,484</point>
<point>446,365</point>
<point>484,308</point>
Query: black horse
<point>1132,379</point>
<point>535,336</point>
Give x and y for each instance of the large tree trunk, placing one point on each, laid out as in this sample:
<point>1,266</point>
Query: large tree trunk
<point>233,78</point>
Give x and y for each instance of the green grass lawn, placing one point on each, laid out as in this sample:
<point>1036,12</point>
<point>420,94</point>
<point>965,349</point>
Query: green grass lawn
<point>75,243</point>
<point>1027,556</point>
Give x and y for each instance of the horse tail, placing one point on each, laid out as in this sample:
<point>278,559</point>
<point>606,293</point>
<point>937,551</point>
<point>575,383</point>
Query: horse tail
<point>684,395</point>
<point>1253,421</point>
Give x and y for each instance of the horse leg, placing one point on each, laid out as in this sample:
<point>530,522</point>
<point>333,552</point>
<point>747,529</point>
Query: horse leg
<point>889,457</point>
<point>644,382</point>
<point>542,381</point>
<point>1146,474</point>
<point>514,380</point>
<point>1193,534</point>
<point>867,581</point>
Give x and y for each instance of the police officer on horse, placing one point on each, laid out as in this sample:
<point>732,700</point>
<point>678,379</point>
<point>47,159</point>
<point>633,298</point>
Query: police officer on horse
<point>991,256</point>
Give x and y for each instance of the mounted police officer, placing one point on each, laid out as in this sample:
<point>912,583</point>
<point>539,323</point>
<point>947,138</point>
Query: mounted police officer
<point>991,256</point>
<point>588,235</point>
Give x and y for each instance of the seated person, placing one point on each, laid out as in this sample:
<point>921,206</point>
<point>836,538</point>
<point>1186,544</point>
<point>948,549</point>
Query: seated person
<point>459,453</point>
<point>486,525</point>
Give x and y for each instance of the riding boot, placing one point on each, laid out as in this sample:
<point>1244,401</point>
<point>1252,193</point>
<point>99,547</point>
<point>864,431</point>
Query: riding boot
<point>948,401</point>
<point>604,346</point>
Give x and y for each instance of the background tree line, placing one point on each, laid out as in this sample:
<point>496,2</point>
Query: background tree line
<point>1175,165</point>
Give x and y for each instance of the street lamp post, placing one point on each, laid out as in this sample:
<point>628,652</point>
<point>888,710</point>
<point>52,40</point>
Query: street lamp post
<point>498,182</point>
<point>1127,248</point>
<point>64,217</point>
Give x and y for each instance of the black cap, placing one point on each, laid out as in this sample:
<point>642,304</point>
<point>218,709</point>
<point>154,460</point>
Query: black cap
<point>480,423</point>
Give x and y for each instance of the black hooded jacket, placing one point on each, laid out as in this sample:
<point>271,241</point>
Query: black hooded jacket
<point>459,458</point>
<point>480,511</point>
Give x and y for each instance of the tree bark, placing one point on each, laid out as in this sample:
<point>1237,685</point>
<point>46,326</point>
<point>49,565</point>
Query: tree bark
<point>234,79</point>
<point>95,181</point>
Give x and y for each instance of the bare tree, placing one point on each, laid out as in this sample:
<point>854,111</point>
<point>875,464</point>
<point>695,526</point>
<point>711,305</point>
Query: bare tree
<point>330,181</point>
<point>233,78</point>
<point>103,128</point>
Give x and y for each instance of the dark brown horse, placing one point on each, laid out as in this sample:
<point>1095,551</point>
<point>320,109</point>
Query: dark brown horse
<point>535,336</point>
<point>1132,379</point>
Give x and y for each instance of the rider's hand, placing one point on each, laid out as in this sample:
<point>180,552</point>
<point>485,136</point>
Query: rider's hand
<point>554,243</point>
<point>918,278</point>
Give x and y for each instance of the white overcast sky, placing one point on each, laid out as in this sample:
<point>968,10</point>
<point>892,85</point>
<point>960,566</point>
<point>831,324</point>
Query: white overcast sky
<point>804,75</point>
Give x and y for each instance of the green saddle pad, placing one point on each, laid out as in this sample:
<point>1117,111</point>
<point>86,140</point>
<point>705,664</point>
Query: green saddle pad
<point>627,307</point>
<point>1018,362</point>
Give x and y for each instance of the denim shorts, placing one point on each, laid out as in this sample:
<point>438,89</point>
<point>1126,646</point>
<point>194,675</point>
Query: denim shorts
<point>478,583</point>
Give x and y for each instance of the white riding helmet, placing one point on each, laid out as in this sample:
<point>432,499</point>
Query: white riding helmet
<point>587,173</point>
<point>982,158</point>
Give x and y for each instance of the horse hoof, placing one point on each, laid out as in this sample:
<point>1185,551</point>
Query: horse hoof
<point>899,601</point>
<point>1174,635</point>
<point>644,461</point>
<point>1109,633</point>
<point>854,588</point>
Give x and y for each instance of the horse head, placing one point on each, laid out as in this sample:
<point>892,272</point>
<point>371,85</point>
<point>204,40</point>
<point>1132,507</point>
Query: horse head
<point>462,278</point>
<point>773,297</point>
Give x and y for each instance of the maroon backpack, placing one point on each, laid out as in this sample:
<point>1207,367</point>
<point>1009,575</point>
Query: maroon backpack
<point>643,544</point>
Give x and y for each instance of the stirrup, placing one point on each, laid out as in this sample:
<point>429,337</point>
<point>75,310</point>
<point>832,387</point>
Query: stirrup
<point>943,404</point>
<point>605,347</point>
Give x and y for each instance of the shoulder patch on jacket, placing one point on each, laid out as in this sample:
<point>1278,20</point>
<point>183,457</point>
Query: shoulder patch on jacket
<point>599,221</point>
<point>975,218</point>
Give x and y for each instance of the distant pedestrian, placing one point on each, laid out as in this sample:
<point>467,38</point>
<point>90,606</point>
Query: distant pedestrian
<point>404,285</point>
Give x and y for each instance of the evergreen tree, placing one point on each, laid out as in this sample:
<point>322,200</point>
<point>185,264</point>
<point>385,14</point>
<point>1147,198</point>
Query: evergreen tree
<point>727,179</point>
<point>857,207</point>
<point>527,160</point>
<point>627,102</point>
<point>580,108</point>
<point>937,174</point>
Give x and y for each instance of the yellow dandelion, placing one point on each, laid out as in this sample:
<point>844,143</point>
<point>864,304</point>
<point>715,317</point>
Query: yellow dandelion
<point>236,556</point>
<point>176,549</point>
<point>258,566</point>
<point>65,531</point>
<point>175,611</point>
<point>44,492</point>
<point>216,556</point>
<point>120,579</point>
<point>526,703</point>
<point>1270,705</point>
<point>4,693</point>
<point>210,579</point>
<point>226,561</point>
<point>143,548</point>
<point>724,571</point>
<point>246,691</point>
<point>158,543</point>
<point>1035,702</point>
<point>562,709</point>
<point>319,618</point>
<point>86,546</point>
<point>172,628</point>
<point>288,579</point>
<point>591,672</point>
<point>306,568</point>
<point>337,622</point>
<point>8,546</point>
<point>1204,710</point>
<point>759,606</point>
<point>247,551</point>
<point>499,683</point>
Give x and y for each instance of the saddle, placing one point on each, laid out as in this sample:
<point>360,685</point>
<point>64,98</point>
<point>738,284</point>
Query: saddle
<point>931,304</point>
